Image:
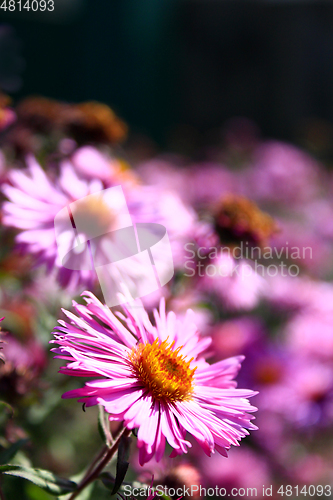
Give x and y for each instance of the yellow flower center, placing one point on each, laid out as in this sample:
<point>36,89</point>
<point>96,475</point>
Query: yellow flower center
<point>163,371</point>
<point>94,215</point>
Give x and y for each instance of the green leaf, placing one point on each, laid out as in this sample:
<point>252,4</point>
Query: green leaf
<point>83,495</point>
<point>104,425</point>
<point>35,493</point>
<point>8,453</point>
<point>86,493</point>
<point>101,493</point>
<point>107,479</point>
<point>43,478</point>
<point>8,408</point>
<point>122,462</point>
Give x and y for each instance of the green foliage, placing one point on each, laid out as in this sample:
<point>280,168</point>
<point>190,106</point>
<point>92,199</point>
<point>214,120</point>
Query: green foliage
<point>122,462</point>
<point>8,453</point>
<point>43,478</point>
<point>85,494</point>
<point>104,425</point>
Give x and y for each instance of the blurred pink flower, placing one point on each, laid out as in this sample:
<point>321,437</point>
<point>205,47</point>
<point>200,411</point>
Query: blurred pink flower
<point>243,469</point>
<point>310,332</point>
<point>297,388</point>
<point>90,163</point>
<point>312,469</point>
<point>208,182</point>
<point>198,184</point>
<point>23,363</point>
<point>164,174</point>
<point>235,282</point>
<point>35,200</point>
<point>20,356</point>
<point>302,242</point>
<point>191,298</point>
<point>299,294</point>
<point>179,219</point>
<point>154,378</point>
<point>282,173</point>
<point>236,335</point>
<point>3,169</point>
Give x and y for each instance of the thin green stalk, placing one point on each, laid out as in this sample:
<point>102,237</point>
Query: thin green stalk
<point>94,472</point>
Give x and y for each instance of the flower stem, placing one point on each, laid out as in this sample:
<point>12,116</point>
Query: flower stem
<point>100,455</point>
<point>2,496</point>
<point>94,470</point>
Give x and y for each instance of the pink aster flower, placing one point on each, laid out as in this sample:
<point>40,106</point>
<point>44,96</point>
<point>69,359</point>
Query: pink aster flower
<point>154,378</point>
<point>235,282</point>
<point>3,169</point>
<point>36,198</point>
<point>90,163</point>
<point>200,184</point>
<point>245,468</point>
<point>311,333</point>
<point>282,173</point>
<point>34,202</point>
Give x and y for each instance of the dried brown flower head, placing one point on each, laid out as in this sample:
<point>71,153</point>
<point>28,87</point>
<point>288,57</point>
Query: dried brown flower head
<point>39,113</point>
<point>238,219</point>
<point>85,122</point>
<point>93,121</point>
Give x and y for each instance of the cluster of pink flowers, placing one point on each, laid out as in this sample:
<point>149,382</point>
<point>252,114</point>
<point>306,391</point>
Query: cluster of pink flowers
<point>274,304</point>
<point>251,235</point>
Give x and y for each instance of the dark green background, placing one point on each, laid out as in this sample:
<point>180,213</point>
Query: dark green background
<point>164,63</point>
